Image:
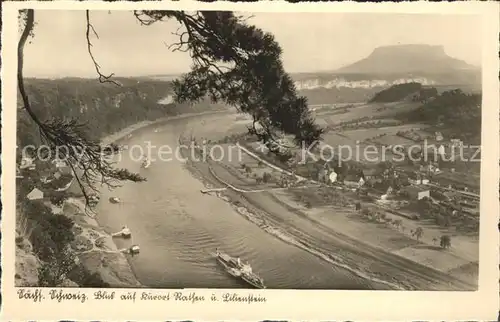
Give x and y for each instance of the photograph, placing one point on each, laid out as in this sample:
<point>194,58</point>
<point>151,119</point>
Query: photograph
<point>247,150</point>
<point>247,157</point>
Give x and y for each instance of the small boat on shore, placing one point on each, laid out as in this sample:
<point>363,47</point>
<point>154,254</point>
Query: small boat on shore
<point>124,233</point>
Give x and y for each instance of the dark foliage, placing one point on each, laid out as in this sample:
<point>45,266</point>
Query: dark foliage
<point>52,273</point>
<point>445,241</point>
<point>266,177</point>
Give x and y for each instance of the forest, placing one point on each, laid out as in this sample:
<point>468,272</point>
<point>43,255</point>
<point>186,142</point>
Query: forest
<point>456,114</point>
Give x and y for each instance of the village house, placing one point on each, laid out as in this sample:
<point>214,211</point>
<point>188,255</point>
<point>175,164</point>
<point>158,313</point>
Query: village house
<point>419,181</point>
<point>416,178</point>
<point>62,167</point>
<point>27,163</point>
<point>35,194</point>
<point>441,151</point>
<point>371,174</point>
<point>417,193</point>
<point>433,169</point>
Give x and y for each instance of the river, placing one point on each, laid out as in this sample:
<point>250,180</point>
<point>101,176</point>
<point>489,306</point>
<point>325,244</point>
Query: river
<point>178,228</point>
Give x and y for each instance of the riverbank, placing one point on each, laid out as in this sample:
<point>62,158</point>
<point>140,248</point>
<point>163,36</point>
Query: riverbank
<point>94,246</point>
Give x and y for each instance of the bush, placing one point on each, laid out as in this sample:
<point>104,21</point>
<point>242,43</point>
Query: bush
<point>58,198</point>
<point>60,229</point>
<point>366,212</point>
<point>266,177</point>
<point>443,220</point>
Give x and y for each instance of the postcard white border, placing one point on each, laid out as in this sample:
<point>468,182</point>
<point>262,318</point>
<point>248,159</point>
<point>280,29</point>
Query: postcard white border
<point>281,304</point>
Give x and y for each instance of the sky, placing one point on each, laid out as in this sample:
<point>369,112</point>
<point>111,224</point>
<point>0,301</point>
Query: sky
<point>310,41</point>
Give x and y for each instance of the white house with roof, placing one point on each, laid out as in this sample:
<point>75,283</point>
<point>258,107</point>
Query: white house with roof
<point>439,136</point>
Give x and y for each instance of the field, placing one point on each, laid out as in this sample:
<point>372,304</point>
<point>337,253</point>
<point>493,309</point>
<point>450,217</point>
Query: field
<point>234,163</point>
<point>358,140</point>
<point>335,210</point>
<point>368,124</point>
<point>376,110</point>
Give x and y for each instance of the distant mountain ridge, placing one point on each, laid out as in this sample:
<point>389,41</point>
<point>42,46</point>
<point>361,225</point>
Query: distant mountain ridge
<point>407,59</point>
<point>386,66</point>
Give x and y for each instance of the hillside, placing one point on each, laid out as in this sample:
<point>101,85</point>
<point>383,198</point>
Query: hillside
<point>106,108</point>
